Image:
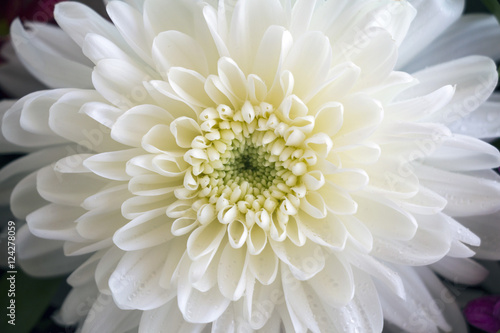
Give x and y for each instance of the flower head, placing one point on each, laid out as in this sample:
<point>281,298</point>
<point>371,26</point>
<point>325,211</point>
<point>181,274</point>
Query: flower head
<point>254,164</point>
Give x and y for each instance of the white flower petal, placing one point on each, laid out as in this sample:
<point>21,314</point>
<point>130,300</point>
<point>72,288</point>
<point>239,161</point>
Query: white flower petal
<point>237,233</point>
<point>460,40</point>
<point>270,54</point>
<point>175,49</point>
<point>169,273</point>
<point>257,240</point>
<point>189,85</point>
<point>25,198</point>
<point>385,219</point>
<point>91,226</point>
<point>34,117</point>
<point>210,16</point>
<point>71,312</point>
<point>153,185</point>
<point>295,232</point>
<point>147,230</point>
<point>46,64</point>
<point>302,13</point>
<point>460,270</point>
<point>264,266</point>
<point>365,310</point>
<point>97,47</point>
<point>138,205</point>
<point>486,228</point>
<point>474,77</point>
<point>160,139</point>
<point>86,247</point>
<point>362,115</point>
<point>131,127</point>
<point>424,202</point>
<point>122,83</point>
<point>340,80</point>
<point>381,272</point>
<point>13,131</point>
<point>205,239</point>
<point>233,78</point>
<point>43,258</point>
<point>329,231</point>
<point>15,79</point>
<point>165,96</point>
<point>357,233</point>
<point>84,274</point>
<point>305,304</point>
<point>409,314</point>
<point>248,24</point>
<point>304,262</point>
<point>463,153</point>
<point>196,306</point>
<point>167,318</point>
<point>106,267</point>
<point>66,121</point>
<point>335,283</point>
<point>225,323</point>
<point>483,123</point>
<point>349,179</point>
<point>363,153</point>
<point>427,246</point>
<point>185,130</point>
<point>375,64</point>
<point>59,187</point>
<point>130,23</point>
<point>109,198</point>
<point>169,15</point>
<point>460,232</point>
<point>433,17</point>
<point>319,53</point>
<point>77,20</point>
<point>111,165</point>
<point>55,222</point>
<point>451,312</point>
<point>329,118</point>
<point>260,303</point>
<point>231,274</point>
<point>104,308</point>
<point>314,205</point>
<point>421,106</point>
<point>466,195</point>
<point>11,174</point>
<point>337,200</point>
<point>203,272</point>
<point>143,268</point>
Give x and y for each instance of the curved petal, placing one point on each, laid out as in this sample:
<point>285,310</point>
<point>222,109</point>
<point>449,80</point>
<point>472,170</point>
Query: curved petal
<point>46,63</point>
<point>433,17</point>
<point>165,319</point>
<point>134,283</point>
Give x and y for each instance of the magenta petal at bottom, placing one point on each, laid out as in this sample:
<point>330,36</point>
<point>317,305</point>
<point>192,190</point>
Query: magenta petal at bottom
<point>484,313</point>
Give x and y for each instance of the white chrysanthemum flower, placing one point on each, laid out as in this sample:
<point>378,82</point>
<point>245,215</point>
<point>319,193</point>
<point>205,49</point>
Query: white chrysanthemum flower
<point>241,166</point>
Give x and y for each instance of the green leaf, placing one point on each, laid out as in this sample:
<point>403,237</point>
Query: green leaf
<point>32,298</point>
<point>4,27</point>
<point>494,7</point>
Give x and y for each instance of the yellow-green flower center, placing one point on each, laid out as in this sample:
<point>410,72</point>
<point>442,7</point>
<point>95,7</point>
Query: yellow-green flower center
<point>242,160</point>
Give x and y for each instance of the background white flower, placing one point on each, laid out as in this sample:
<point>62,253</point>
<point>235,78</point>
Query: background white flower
<point>257,164</point>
